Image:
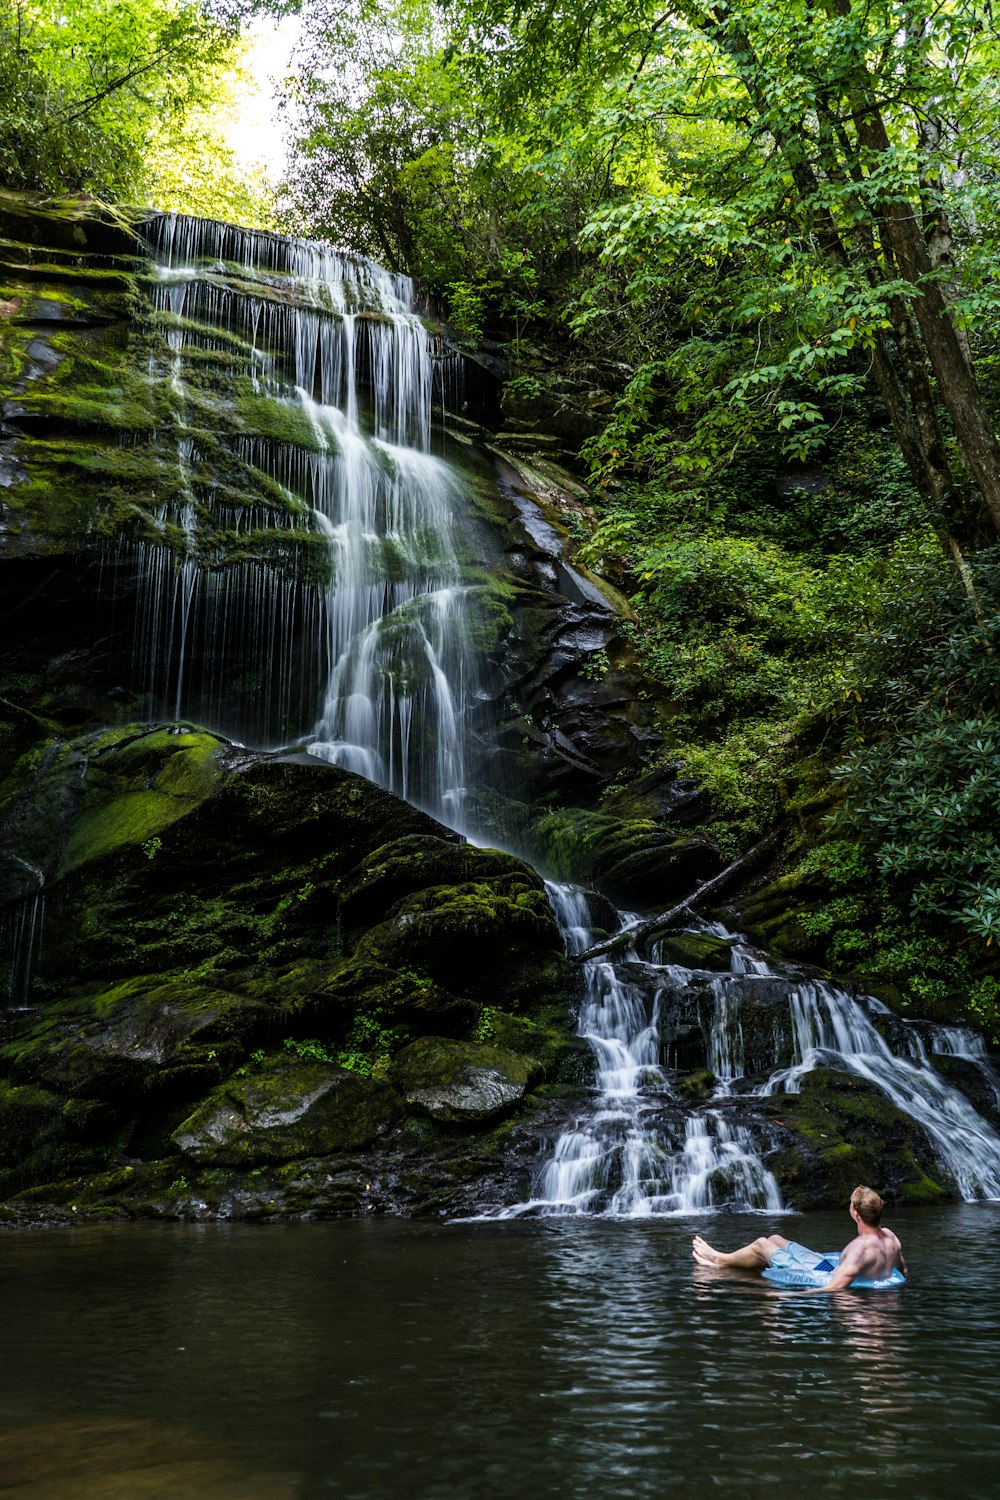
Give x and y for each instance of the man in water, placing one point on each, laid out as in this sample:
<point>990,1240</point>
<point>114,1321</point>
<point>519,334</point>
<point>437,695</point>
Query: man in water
<point>874,1254</point>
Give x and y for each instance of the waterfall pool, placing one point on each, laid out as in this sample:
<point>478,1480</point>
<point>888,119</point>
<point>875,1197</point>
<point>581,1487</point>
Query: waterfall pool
<point>555,1357</point>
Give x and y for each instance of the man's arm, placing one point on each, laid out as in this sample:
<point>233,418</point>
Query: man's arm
<point>842,1276</point>
<point>851,1265</point>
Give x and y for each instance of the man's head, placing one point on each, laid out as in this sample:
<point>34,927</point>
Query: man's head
<point>867,1204</point>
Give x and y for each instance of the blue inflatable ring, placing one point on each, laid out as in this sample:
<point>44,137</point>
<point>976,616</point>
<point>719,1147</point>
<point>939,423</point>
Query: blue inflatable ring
<point>796,1265</point>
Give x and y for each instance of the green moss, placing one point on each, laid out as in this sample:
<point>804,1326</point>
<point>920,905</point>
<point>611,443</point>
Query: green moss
<point>277,421</point>
<point>697,1086</point>
<point>922,1190</point>
<point>123,813</point>
<point>846,1131</point>
<point>286,1114</point>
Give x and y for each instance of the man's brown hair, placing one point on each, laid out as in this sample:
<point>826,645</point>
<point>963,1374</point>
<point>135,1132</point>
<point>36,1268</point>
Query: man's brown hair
<point>867,1205</point>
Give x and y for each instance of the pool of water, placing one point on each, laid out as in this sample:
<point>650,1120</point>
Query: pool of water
<point>548,1358</point>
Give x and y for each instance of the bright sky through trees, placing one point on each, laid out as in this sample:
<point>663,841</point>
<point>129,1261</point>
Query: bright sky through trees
<point>257,134</point>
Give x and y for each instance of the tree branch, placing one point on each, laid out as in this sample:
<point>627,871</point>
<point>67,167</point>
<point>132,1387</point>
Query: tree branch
<point>659,923</point>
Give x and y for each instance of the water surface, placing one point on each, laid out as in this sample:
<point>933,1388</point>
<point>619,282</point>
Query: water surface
<point>548,1358</point>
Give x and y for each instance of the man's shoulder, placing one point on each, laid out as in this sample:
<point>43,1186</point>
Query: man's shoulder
<point>867,1247</point>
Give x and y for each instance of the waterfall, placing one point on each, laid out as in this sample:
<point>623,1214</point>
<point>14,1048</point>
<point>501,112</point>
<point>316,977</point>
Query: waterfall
<point>616,1158</point>
<point>22,926</point>
<point>830,1026</point>
<point>345,613</point>
<point>358,642</point>
<point>638,1150</point>
<point>305,574</point>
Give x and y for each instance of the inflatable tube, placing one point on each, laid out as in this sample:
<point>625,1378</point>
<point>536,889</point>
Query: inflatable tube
<point>796,1265</point>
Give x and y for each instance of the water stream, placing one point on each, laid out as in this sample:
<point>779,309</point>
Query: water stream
<point>337,341</point>
<point>624,1156</point>
<point>349,613</point>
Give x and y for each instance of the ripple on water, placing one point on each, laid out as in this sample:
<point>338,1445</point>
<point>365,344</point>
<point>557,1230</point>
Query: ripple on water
<point>534,1358</point>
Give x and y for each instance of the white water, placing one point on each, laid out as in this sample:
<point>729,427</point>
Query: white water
<point>22,927</point>
<point>389,629</point>
<point>620,1158</point>
<point>615,1159</point>
<point>830,1026</point>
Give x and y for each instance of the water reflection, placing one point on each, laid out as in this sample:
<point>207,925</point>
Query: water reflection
<point>551,1357</point>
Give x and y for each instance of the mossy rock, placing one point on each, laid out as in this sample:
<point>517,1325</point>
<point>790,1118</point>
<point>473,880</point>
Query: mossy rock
<point>841,1131</point>
<point>637,862</point>
<point>456,934</point>
<point>773,915</point>
<point>285,1114</point>
<point>393,998</point>
<point>28,1114</point>
<point>697,1086</point>
<point>41,1139</point>
<point>95,795</point>
<point>695,950</point>
<point>139,1038</point>
<point>462,1082</point>
<point>410,864</point>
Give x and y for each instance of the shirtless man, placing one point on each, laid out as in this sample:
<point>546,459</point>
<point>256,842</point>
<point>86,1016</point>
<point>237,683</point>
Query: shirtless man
<point>873,1254</point>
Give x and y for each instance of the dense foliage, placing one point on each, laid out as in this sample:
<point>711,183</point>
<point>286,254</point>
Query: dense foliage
<point>768,231</point>
<point>765,236</point>
<point>126,100</point>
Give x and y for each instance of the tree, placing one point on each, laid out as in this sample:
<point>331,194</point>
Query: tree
<point>401,155</point>
<point>113,97</point>
<point>816,165</point>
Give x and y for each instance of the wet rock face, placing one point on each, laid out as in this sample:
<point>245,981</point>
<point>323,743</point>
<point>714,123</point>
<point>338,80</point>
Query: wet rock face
<point>224,974</point>
<point>455,1082</point>
<point>839,1131</point>
<point>577,714</point>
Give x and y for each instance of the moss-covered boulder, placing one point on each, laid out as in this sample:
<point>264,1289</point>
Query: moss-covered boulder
<point>207,968</point>
<point>468,936</point>
<point>138,1039</point>
<point>458,1082</point>
<point>410,864</point>
<point>839,1131</point>
<point>641,863</point>
<point>695,950</point>
<point>286,1114</point>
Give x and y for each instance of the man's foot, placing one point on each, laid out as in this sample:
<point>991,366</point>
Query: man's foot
<point>703,1252</point>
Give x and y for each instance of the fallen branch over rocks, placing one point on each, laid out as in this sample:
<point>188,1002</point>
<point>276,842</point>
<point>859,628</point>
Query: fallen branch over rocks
<point>650,926</point>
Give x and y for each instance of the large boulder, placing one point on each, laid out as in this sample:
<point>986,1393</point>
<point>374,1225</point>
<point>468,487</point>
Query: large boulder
<point>841,1130</point>
<point>287,1114</point>
<point>459,1082</point>
<point>234,947</point>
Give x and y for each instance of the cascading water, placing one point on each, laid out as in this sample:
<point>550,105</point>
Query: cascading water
<point>388,624</point>
<point>22,925</point>
<point>309,557</point>
<point>830,1026</point>
<point>614,1159</point>
<point>627,1156</point>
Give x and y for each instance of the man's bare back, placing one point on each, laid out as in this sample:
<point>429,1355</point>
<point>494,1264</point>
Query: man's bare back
<point>874,1254</point>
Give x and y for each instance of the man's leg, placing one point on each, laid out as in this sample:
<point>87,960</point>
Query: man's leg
<point>752,1257</point>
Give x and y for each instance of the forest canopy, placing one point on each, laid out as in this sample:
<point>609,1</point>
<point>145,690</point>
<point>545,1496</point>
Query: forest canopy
<point>769,232</point>
<point>126,100</point>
